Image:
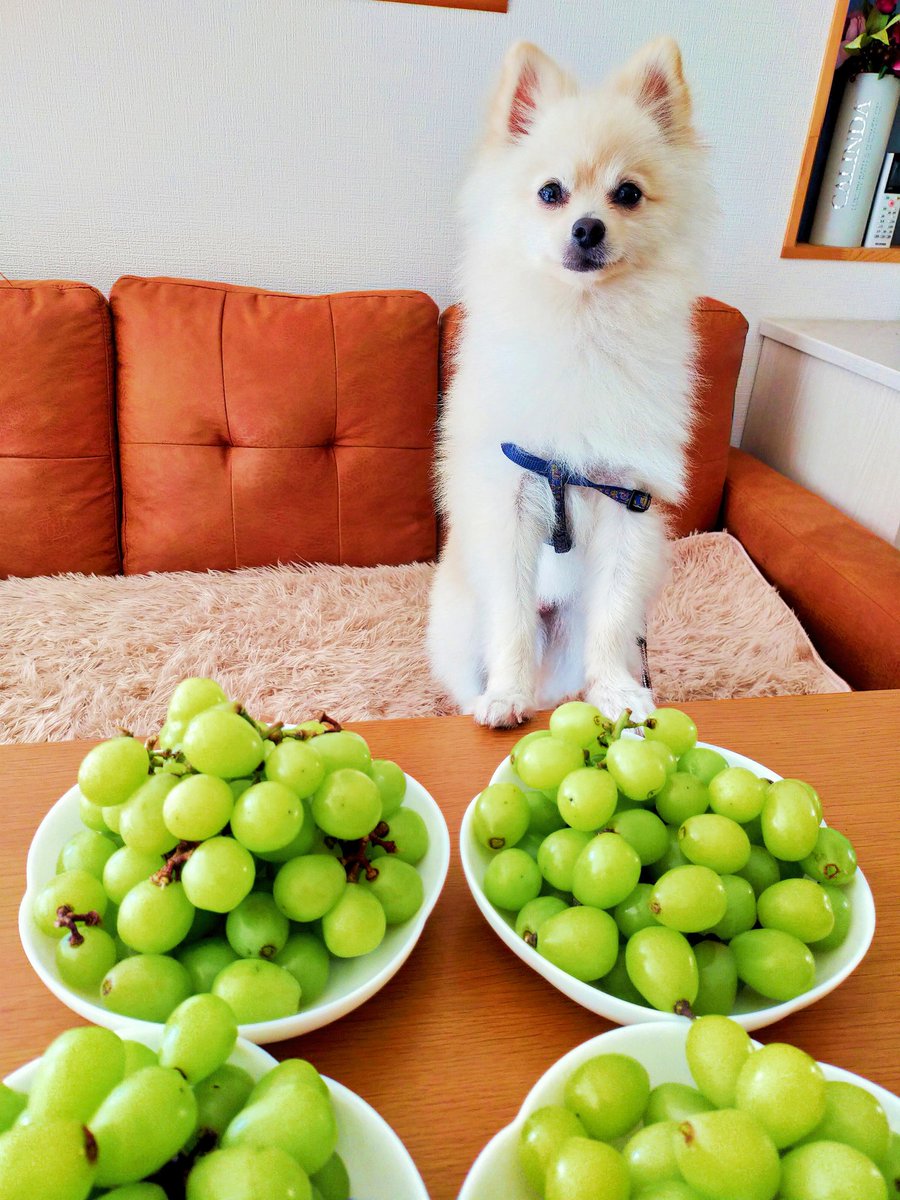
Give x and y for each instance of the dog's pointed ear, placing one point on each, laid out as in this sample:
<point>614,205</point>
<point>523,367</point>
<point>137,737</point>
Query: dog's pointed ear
<point>529,79</point>
<point>655,78</point>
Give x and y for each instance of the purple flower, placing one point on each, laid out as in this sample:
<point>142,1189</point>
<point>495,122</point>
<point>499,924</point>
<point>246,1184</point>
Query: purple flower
<point>856,24</point>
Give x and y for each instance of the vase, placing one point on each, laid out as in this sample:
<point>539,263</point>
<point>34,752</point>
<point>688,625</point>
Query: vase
<point>854,160</point>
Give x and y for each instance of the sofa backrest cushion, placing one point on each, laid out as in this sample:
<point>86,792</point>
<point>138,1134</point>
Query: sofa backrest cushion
<point>721,331</point>
<point>258,427</point>
<point>58,490</point>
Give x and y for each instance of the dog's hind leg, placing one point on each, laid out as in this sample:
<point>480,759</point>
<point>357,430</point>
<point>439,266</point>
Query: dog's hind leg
<point>453,637</point>
<point>561,674</point>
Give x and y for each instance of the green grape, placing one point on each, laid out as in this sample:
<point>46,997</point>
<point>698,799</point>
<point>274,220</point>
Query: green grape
<point>525,741</point>
<point>220,1097</point>
<point>409,833</point>
<point>644,831</point>
<point>137,1056</point>
<point>689,899</point>
<point>665,756</point>
<point>511,880</point>
<point>12,1104</point>
<point>53,1160</point>
<point>545,762</point>
<point>501,816</point>
<point>682,795</point>
<point>75,1074</point>
<point>356,925</point>
<point>269,815</point>
<point>289,1074</point>
<point>193,696</point>
<point>542,1137</point>
<point>399,890</point>
<point>830,1171</point>
<point>578,723</point>
<point>853,1116</point>
<point>205,960</point>
<point>204,925</point>
<point>843,914</point>
<point>543,815</point>
<point>740,911</point>
<point>582,941</point>
<point>737,793</point>
<point>650,1154</point>
<point>147,987</point>
<point>83,966</point>
<point>672,727</point>
<point>141,822</point>
<point>558,854</point>
<point>296,765</point>
<point>799,907</point>
<point>813,794</point>
<point>79,890</point>
<point>636,768</point>
<point>219,742</point>
<point>668,1189</point>
<point>257,928</point>
<point>218,875</point>
<point>198,1037</point>
<point>672,858</point>
<point>308,961</point>
<point>153,919</point>
<point>661,965</point>
<point>716,1050</point>
<point>727,1155</point>
<point>890,1166</point>
<point>306,888</point>
<point>92,816</point>
<point>302,844</point>
<point>343,749</point>
<point>617,982</point>
<point>832,859</point>
<point>347,805</point>
<point>633,913</point>
<point>608,1094</point>
<point>135,1191</point>
<point>126,868</point>
<point>789,822</point>
<point>141,1124</point>
<point>784,1089</point>
<point>760,870</point>
<point>533,915</point>
<point>674,1102</point>
<point>775,964</point>
<point>718,979</point>
<point>391,783</point>
<point>715,842</point>
<point>86,850</point>
<point>606,871</point>
<point>587,1170</point>
<point>753,830</point>
<point>586,798</point>
<point>702,762</point>
<point>333,1181</point>
<point>257,990</point>
<point>112,771</point>
<point>170,735</point>
<point>112,817</point>
<point>198,808</point>
<point>299,1120</point>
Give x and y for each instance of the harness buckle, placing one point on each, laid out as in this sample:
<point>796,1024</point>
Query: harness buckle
<point>639,501</point>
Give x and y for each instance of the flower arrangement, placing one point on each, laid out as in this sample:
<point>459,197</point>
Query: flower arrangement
<point>871,39</point>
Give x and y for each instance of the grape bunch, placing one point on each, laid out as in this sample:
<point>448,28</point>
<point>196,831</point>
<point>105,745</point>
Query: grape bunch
<point>653,870</point>
<point>231,857</point>
<point>760,1123</point>
<point>103,1113</point>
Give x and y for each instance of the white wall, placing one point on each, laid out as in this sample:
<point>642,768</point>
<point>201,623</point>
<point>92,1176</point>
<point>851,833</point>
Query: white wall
<point>314,145</point>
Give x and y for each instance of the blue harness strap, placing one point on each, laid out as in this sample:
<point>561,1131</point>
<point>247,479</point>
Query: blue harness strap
<point>559,476</point>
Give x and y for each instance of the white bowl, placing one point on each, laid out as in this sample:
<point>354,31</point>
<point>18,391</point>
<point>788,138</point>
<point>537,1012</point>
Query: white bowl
<point>496,1171</point>
<point>379,1165</point>
<point>352,981</point>
<point>832,966</point>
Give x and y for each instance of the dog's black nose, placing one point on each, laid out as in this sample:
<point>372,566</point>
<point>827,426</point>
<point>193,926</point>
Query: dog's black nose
<point>588,232</point>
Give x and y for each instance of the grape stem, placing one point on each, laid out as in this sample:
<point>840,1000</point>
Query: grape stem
<point>683,1009</point>
<point>171,869</point>
<point>355,859</point>
<point>66,918</point>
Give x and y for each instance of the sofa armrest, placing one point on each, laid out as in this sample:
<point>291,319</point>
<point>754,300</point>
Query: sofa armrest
<point>842,581</point>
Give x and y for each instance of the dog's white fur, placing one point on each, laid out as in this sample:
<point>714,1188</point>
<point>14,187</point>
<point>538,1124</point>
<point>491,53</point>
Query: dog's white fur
<point>593,368</point>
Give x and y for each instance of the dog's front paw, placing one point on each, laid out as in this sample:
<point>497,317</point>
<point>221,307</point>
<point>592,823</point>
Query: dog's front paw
<point>502,711</point>
<point>612,701</point>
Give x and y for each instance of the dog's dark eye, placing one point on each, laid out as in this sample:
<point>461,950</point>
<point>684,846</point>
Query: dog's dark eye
<point>552,193</point>
<point>627,194</point>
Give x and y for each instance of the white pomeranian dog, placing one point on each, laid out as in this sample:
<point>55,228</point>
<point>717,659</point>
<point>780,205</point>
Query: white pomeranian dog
<point>584,215</point>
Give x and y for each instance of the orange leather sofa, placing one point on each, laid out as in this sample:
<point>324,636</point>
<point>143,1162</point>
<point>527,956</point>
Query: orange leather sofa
<point>186,425</point>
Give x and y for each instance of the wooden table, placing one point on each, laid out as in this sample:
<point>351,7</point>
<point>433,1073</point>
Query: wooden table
<point>447,1051</point>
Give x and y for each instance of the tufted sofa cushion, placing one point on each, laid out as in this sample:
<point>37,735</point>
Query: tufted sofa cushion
<point>258,427</point>
<point>57,444</point>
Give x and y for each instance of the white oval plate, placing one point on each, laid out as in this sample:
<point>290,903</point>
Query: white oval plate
<point>379,1165</point>
<point>352,980</point>
<point>496,1171</point>
<point>832,966</point>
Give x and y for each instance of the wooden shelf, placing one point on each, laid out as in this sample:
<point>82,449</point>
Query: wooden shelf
<point>792,248</point>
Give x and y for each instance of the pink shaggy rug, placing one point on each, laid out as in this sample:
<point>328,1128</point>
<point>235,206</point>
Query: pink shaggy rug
<point>82,655</point>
